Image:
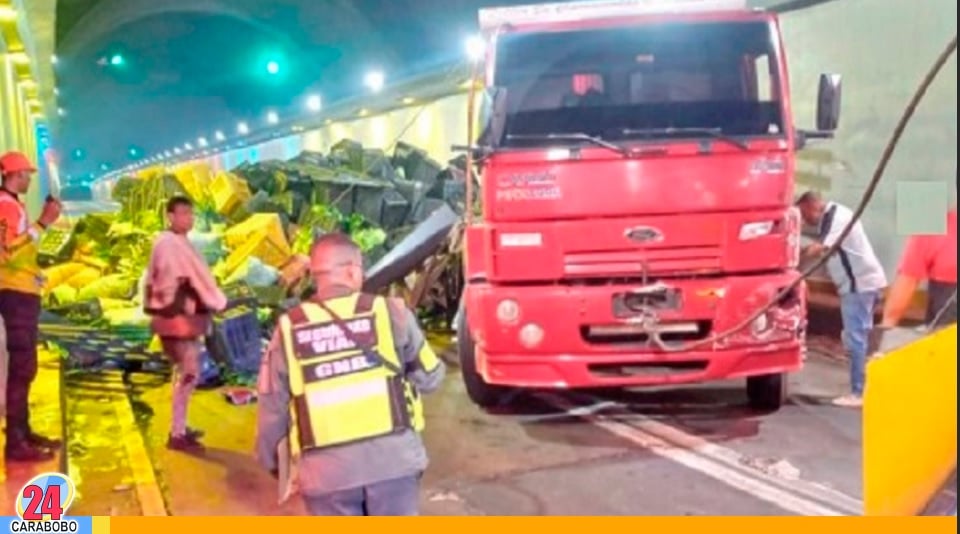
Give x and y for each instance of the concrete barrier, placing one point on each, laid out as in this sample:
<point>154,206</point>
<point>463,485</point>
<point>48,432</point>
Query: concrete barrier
<point>910,425</point>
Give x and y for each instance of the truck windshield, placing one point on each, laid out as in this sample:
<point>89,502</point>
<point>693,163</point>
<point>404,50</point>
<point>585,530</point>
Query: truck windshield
<point>630,84</point>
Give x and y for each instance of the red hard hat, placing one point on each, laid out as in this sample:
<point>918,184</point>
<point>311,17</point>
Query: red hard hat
<point>12,162</point>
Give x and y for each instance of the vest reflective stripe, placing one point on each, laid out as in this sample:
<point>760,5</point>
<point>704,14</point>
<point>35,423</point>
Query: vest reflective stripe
<point>340,396</point>
<point>20,272</point>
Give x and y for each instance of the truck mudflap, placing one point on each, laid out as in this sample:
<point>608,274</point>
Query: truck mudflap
<point>632,334</point>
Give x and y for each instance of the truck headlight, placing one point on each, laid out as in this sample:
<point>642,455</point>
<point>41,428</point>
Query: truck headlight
<point>531,335</point>
<point>760,325</point>
<point>508,311</point>
<point>755,229</point>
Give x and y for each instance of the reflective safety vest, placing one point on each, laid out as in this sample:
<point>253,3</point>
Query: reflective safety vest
<point>19,270</point>
<point>339,394</point>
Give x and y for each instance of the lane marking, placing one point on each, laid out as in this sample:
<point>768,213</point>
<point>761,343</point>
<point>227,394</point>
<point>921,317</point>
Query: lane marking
<point>713,462</point>
<point>732,458</point>
<point>144,478</point>
<point>580,411</point>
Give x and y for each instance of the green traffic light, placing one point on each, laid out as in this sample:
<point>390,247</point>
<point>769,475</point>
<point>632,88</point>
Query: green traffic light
<point>273,67</point>
<point>116,60</point>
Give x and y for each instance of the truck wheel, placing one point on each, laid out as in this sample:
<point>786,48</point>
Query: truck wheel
<point>481,393</point>
<point>767,393</point>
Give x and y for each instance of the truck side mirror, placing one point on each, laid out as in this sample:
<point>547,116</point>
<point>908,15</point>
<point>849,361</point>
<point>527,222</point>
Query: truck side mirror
<point>828,102</point>
<point>493,116</point>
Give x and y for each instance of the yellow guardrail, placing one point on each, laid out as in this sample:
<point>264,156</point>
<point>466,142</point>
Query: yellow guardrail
<point>910,425</point>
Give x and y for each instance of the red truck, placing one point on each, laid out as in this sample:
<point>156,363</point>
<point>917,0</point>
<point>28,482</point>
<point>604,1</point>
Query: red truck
<point>637,181</point>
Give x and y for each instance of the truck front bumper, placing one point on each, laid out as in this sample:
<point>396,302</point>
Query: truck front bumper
<point>548,336</point>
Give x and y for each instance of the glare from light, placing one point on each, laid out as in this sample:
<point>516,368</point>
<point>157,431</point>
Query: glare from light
<point>8,13</point>
<point>218,135</point>
<point>273,67</point>
<point>374,80</point>
<point>62,112</point>
<point>272,117</point>
<point>202,142</point>
<point>54,59</point>
<point>476,48</point>
<point>314,103</point>
<point>56,92</point>
<point>243,129</point>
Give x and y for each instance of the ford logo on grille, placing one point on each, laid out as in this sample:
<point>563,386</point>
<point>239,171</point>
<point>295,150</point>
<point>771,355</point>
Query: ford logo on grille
<point>644,234</point>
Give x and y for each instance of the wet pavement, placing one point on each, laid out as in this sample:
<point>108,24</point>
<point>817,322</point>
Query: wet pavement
<point>688,451</point>
<point>45,418</point>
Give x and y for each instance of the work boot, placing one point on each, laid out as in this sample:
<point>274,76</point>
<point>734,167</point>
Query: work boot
<point>26,452</point>
<point>43,441</point>
<point>184,443</point>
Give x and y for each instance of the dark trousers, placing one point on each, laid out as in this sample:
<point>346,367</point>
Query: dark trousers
<point>400,496</point>
<point>21,315</point>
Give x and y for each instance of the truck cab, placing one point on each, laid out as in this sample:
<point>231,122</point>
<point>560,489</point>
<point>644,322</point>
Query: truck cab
<point>636,189</point>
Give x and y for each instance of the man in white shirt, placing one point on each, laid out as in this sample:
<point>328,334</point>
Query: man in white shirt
<point>858,276</point>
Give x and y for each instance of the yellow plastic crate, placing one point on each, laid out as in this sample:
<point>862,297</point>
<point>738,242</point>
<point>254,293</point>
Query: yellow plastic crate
<point>260,244</point>
<point>228,193</point>
<point>269,223</point>
<point>195,180</point>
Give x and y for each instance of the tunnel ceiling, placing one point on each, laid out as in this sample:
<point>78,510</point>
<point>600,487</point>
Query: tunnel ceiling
<point>71,11</point>
<point>190,67</point>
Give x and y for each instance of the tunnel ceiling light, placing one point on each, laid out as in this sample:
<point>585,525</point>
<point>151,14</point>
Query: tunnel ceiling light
<point>314,103</point>
<point>243,128</point>
<point>19,58</point>
<point>202,142</point>
<point>272,117</point>
<point>187,146</point>
<point>177,151</point>
<point>475,47</point>
<point>54,59</point>
<point>62,112</point>
<point>219,136</point>
<point>374,80</point>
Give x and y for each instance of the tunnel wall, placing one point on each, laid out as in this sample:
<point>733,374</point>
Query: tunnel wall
<point>27,99</point>
<point>433,126</point>
<point>17,122</point>
<point>882,48</point>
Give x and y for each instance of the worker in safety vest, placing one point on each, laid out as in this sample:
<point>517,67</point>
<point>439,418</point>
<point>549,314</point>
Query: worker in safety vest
<point>339,393</point>
<point>930,258</point>
<point>21,281</point>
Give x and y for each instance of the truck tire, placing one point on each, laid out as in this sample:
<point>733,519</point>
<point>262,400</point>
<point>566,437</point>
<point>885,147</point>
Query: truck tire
<point>481,393</point>
<point>767,393</point>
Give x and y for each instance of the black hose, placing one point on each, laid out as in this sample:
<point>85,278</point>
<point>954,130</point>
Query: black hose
<point>918,95</point>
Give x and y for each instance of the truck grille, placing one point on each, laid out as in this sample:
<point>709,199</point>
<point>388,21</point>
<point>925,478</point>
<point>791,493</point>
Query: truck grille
<point>687,260</point>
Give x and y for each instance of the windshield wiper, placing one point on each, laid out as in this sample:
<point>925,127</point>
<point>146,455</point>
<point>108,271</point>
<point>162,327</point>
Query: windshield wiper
<point>715,133</point>
<point>571,137</point>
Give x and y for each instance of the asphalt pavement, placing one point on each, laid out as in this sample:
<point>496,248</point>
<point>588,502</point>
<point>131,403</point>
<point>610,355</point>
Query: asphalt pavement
<point>688,451</point>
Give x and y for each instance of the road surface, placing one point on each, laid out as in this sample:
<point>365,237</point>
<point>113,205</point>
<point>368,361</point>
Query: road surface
<point>690,451</point>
